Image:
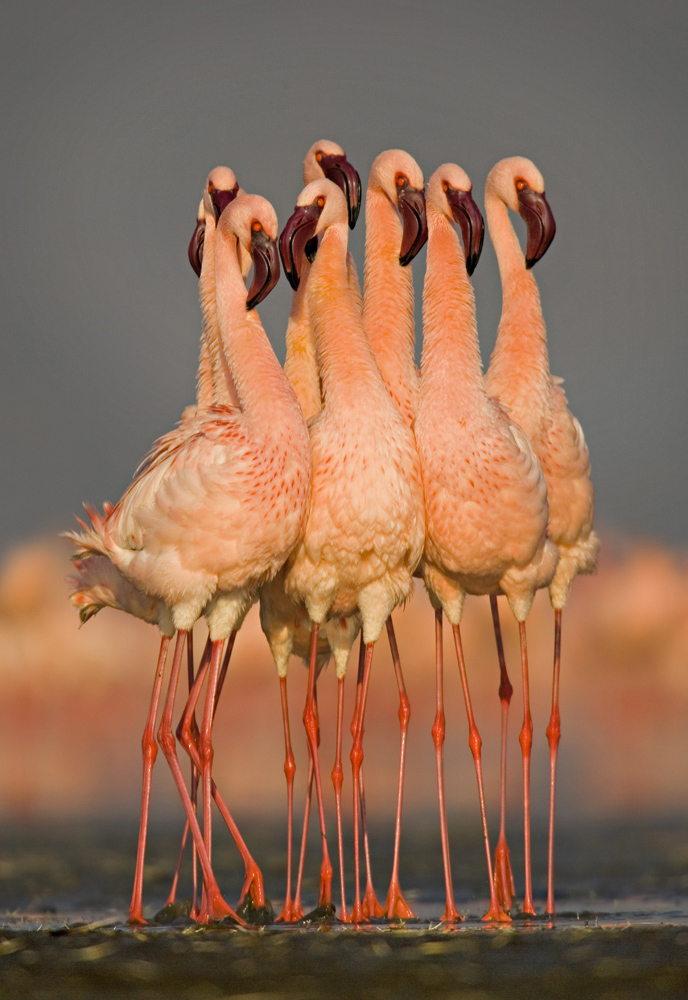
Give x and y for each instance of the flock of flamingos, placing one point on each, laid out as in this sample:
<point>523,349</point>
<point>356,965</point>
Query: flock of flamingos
<point>323,488</point>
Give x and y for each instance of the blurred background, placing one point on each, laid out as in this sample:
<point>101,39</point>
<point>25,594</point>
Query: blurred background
<point>113,114</point>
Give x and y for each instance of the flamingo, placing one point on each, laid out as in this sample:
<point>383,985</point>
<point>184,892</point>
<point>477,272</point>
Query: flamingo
<point>519,375</point>
<point>364,533</point>
<point>285,624</point>
<point>485,494</point>
<point>395,231</point>
<point>216,505</point>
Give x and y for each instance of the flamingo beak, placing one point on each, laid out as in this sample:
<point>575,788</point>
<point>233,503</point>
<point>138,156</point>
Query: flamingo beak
<point>338,169</point>
<point>467,214</point>
<point>196,247</point>
<point>294,239</point>
<point>221,199</point>
<point>266,270</point>
<point>537,215</point>
<point>411,203</point>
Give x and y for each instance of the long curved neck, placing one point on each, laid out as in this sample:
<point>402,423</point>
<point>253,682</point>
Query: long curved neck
<point>388,302</point>
<point>346,362</point>
<point>267,401</point>
<point>300,363</point>
<point>451,365</point>
<point>214,382</point>
<point>520,362</point>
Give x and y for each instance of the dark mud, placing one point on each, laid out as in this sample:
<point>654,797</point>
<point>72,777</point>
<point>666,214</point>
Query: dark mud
<point>621,930</point>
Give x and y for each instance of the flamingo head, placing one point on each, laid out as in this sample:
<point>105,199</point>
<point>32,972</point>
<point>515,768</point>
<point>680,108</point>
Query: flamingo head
<point>399,177</point>
<point>221,188</point>
<point>252,222</point>
<point>320,204</point>
<point>519,183</point>
<point>450,192</point>
<point>327,159</point>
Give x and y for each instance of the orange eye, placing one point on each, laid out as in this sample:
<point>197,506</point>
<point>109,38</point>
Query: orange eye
<point>445,186</point>
<point>521,185</point>
<point>320,201</point>
<point>256,226</point>
<point>318,156</point>
<point>402,180</point>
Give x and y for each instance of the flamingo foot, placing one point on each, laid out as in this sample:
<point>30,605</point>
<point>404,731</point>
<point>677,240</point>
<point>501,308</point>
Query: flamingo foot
<point>371,907</point>
<point>503,876</point>
<point>396,907</point>
<point>215,909</point>
<point>325,894</point>
<point>451,915</point>
<point>136,917</point>
<point>496,913</point>
<point>528,910</point>
<point>290,913</point>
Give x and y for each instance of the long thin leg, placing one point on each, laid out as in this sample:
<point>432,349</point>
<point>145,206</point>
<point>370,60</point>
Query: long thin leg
<point>193,789</point>
<point>370,906</point>
<point>357,914</point>
<point>451,913</point>
<point>310,721</point>
<point>396,905</point>
<point>553,735</point>
<point>298,908</point>
<point>474,741</point>
<point>253,879</point>
<point>289,912</point>
<point>504,879</point>
<point>526,741</point>
<point>150,752</point>
<point>213,907</point>
<point>337,780</point>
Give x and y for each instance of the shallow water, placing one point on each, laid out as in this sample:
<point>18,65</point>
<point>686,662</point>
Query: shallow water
<point>621,928</point>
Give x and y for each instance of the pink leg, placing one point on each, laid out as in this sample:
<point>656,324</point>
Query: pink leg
<point>504,879</point>
<point>253,880</point>
<point>396,905</point>
<point>213,907</point>
<point>337,780</point>
<point>298,908</point>
<point>310,721</point>
<point>526,741</point>
<point>150,752</point>
<point>451,914</point>
<point>553,735</point>
<point>358,914</point>
<point>289,912</point>
<point>370,906</point>
<point>495,912</point>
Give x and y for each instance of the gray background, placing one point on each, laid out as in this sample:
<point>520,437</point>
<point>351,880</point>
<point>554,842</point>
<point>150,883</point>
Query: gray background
<point>113,113</point>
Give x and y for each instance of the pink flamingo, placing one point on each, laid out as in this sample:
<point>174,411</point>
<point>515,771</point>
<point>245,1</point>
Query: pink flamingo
<point>216,506</point>
<point>285,624</point>
<point>485,495</point>
<point>519,375</point>
<point>364,532</point>
<point>395,231</point>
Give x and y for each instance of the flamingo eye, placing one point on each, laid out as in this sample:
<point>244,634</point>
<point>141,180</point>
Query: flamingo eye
<point>445,186</point>
<point>256,227</point>
<point>401,180</point>
<point>521,185</point>
<point>318,156</point>
<point>320,202</point>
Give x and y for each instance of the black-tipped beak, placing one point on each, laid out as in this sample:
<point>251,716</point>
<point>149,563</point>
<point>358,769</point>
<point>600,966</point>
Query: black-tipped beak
<point>266,270</point>
<point>338,169</point>
<point>196,247</point>
<point>467,214</point>
<point>294,239</point>
<point>411,202</point>
<point>221,198</point>
<point>537,215</point>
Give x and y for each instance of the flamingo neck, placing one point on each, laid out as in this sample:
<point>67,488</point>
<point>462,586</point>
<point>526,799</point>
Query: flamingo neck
<point>388,303</point>
<point>346,362</point>
<point>451,365</point>
<point>519,366</point>
<point>267,401</point>
<point>301,365</point>
<point>214,382</point>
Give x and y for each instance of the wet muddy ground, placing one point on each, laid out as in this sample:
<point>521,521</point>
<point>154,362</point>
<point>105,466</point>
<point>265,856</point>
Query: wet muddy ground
<point>621,929</point>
